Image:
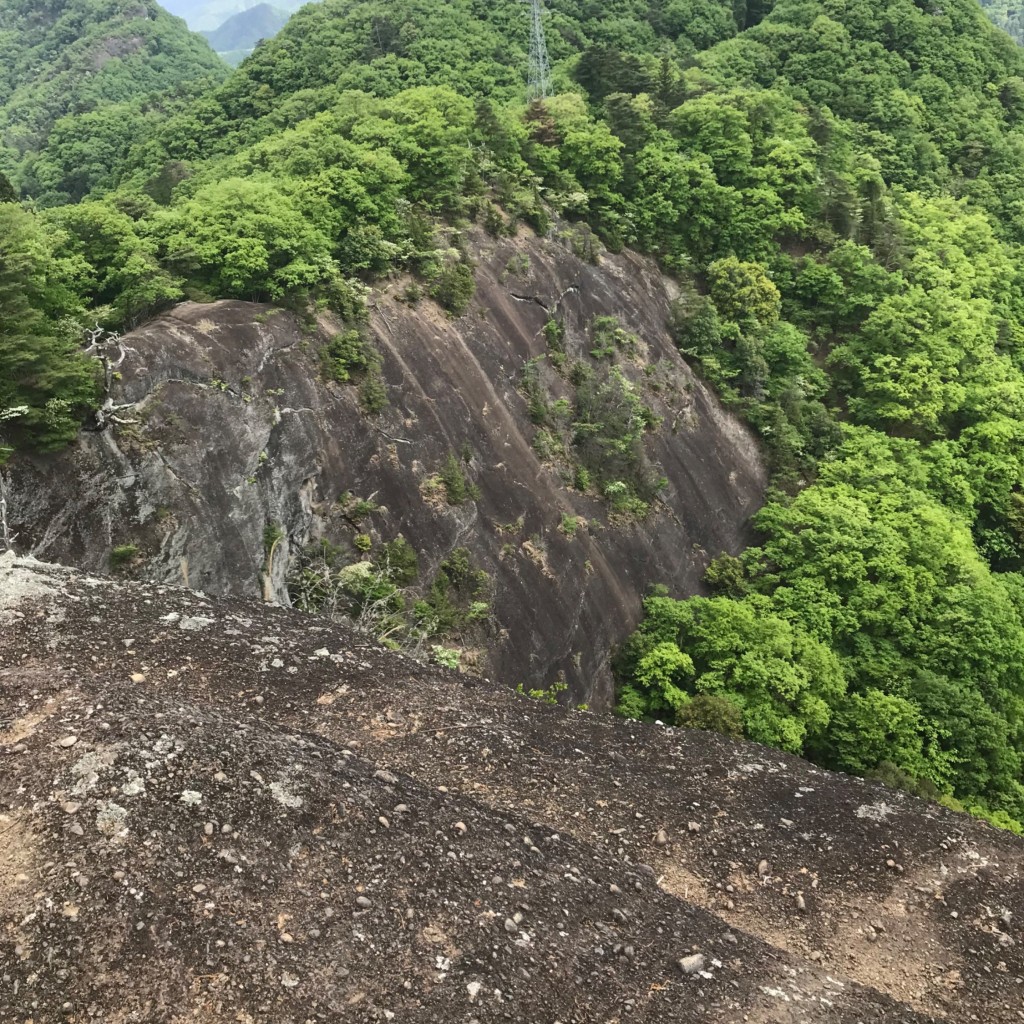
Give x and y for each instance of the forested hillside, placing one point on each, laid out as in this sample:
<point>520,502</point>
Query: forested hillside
<point>74,77</point>
<point>1008,15</point>
<point>839,188</point>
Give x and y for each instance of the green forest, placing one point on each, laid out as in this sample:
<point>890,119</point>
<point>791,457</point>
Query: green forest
<point>1008,15</point>
<point>837,186</point>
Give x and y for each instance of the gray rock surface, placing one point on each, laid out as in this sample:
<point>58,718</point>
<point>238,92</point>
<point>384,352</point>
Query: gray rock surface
<point>235,431</point>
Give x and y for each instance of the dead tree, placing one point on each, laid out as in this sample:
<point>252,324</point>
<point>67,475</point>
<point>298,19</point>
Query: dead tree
<point>109,348</point>
<point>107,413</point>
<point>7,538</point>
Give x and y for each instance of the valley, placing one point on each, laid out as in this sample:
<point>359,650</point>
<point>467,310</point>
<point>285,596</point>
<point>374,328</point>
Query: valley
<point>208,16</point>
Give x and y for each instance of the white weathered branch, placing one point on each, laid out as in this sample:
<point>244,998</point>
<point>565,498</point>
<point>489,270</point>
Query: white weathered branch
<point>107,413</point>
<point>7,538</point>
<point>111,351</point>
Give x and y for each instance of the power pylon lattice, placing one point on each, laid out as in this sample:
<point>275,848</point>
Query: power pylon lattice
<point>540,67</point>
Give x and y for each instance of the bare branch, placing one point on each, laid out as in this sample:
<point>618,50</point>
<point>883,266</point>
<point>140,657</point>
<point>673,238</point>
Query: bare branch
<point>111,351</point>
<point>7,538</point>
<point>107,413</point>
<point>396,440</point>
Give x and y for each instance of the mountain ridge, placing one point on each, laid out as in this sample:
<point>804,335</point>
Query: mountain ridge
<point>83,67</point>
<point>207,16</point>
<point>236,37</point>
<point>836,188</point>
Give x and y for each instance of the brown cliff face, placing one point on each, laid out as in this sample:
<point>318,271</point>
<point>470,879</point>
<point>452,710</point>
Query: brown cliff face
<point>216,811</point>
<point>236,430</point>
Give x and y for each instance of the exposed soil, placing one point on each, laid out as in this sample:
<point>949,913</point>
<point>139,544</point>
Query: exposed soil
<point>214,811</point>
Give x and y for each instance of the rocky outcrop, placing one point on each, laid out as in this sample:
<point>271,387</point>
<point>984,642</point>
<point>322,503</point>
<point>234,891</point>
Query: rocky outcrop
<point>234,431</point>
<point>211,810</point>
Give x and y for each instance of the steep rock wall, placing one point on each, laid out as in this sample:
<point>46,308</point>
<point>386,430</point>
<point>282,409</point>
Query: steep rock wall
<point>236,430</point>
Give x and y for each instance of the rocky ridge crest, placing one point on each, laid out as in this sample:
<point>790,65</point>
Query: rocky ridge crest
<point>213,810</point>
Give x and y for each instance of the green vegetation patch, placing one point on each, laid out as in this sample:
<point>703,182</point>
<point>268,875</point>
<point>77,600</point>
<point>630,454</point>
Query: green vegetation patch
<point>378,588</point>
<point>122,556</point>
<point>597,432</point>
<point>351,358</point>
<point>458,488</point>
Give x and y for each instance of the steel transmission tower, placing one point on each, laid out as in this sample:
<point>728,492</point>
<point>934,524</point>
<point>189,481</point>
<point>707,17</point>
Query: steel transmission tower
<point>540,67</point>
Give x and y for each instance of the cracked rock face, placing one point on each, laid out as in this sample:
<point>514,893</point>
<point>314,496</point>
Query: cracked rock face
<point>349,837</point>
<point>235,431</point>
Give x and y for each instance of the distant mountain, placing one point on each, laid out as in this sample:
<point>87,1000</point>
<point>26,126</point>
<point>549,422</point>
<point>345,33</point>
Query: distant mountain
<point>210,16</point>
<point>238,36</point>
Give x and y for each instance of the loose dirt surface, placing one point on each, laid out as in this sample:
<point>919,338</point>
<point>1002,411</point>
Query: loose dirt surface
<point>219,812</point>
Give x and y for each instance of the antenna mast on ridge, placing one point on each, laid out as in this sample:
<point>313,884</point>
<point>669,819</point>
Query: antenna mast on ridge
<point>540,67</point>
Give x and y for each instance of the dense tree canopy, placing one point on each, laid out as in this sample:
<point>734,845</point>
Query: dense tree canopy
<point>1008,15</point>
<point>45,382</point>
